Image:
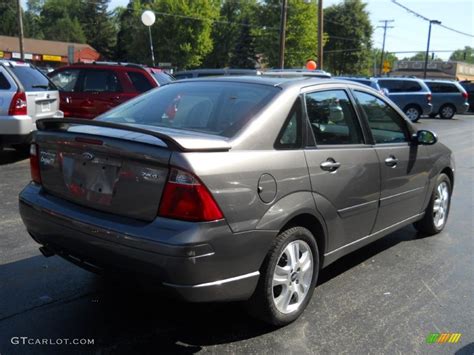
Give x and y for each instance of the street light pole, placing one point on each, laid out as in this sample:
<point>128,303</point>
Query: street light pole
<point>20,31</point>
<point>151,46</point>
<point>148,19</point>
<point>284,9</point>
<point>436,22</point>
<point>320,34</point>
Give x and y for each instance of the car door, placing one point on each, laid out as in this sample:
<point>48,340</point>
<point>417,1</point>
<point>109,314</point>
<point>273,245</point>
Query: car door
<point>102,89</point>
<point>404,166</point>
<point>68,83</point>
<point>344,171</point>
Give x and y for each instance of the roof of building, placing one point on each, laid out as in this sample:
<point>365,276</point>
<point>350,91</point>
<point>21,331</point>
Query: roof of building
<point>40,46</point>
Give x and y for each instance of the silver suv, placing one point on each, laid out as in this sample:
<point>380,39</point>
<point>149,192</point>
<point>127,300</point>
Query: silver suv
<point>26,95</point>
<point>234,188</point>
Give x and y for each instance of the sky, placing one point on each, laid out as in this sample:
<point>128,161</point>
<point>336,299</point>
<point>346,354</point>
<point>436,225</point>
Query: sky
<point>410,33</point>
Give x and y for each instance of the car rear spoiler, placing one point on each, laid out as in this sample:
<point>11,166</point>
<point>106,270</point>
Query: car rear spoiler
<point>174,143</point>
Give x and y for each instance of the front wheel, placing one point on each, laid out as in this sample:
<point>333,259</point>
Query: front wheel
<point>288,278</point>
<point>436,214</point>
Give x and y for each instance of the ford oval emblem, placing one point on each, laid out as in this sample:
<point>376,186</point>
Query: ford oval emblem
<point>87,156</point>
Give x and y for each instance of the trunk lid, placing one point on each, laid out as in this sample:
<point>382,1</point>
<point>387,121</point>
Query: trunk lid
<point>109,167</point>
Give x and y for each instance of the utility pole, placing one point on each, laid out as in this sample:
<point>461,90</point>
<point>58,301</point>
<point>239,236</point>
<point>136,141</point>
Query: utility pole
<point>385,26</point>
<point>320,34</point>
<point>436,22</point>
<point>284,9</point>
<point>20,30</point>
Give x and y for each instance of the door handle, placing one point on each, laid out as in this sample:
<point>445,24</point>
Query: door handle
<point>330,165</point>
<point>391,161</point>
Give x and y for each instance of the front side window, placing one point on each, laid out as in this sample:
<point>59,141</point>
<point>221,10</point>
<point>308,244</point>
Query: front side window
<point>199,106</point>
<point>100,81</point>
<point>386,125</point>
<point>66,80</point>
<point>332,118</point>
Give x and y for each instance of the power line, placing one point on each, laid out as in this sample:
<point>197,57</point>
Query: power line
<point>429,20</point>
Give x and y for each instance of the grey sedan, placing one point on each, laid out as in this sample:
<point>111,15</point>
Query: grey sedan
<point>237,188</point>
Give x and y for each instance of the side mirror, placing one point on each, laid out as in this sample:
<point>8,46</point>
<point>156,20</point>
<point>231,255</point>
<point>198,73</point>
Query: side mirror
<point>425,137</point>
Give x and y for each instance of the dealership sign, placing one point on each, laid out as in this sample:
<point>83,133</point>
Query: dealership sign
<point>52,58</point>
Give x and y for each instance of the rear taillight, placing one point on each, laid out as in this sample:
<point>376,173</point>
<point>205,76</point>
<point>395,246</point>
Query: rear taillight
<point>18,104</point>
<point>465,95</point>
<point>185,197</point>
<point>428,97</point>
<point>34,163</point>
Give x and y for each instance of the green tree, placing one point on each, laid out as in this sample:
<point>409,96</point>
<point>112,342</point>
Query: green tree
<point>301,32</point>
<point>98,26</point>
<point>463,55</point>
<point>349,37</point>
<point>226,31</point>
<point>32,19</point>
<point>59,21</point>
<point>8,18</point>
<point>244,56</point>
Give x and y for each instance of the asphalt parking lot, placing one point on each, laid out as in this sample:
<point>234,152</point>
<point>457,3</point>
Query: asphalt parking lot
<point>383,299</point>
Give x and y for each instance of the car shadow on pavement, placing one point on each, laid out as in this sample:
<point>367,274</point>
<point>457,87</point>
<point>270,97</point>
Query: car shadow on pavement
<point>123,317</point>
<point>10,156</point>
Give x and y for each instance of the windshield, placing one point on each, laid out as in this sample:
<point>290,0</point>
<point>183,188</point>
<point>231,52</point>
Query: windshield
<point>163,78</point>
<point>208,107</point>
<point>32,79</point>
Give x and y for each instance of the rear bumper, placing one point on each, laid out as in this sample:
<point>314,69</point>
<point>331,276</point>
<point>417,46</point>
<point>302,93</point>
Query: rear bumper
<point>198,262</point>
<point>427,109</point>
<point>22,125</point>
<point>462,108</point>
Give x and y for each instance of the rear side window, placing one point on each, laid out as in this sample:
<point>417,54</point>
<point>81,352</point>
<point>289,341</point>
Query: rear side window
<point>385,123</point>
<point>199,106</point>
<point>411,86</point>
<point>291,136</point>
<point>100,81</point>
<point>32,79</point>
<point>139,81</point>
<point>332,118</point>
<point>66,80</point>
<point>4,84</point>
<point>442,87</point>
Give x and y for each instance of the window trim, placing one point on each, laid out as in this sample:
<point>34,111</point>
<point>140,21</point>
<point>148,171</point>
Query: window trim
<point>365,137</point>
<point>408,131</point>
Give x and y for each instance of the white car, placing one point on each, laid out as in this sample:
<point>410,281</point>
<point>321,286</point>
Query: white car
<point>26,95</point>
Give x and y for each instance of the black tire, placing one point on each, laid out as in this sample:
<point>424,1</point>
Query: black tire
<point>427,225</point>
<point>413,112</point>
<point>433,115</point>
<point>262,305</point>
<point>447,111</point>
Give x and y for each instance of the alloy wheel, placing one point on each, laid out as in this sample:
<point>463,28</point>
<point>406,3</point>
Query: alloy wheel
<point>441,205</point>
<point>292,276</point>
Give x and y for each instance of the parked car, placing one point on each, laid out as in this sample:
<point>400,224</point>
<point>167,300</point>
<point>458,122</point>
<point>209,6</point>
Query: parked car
<point>469,87</point>
<point>448,98</point>
<point>199,73</point>
<point>366,81</point>
<point>25,95</point>
<point>244,192</point>
<point>286,73</point>
<point>411,95</point>
<point>87,90</point>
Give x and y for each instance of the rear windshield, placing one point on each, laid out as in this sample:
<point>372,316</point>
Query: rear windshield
<point>32,79</point>
<point>208,107</point>
<point>163,78</point>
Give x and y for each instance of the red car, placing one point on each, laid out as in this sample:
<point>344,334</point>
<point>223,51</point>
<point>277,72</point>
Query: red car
<point>88,90</point>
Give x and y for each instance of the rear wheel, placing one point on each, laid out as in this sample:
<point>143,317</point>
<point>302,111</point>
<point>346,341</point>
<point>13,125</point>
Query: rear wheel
<point>447,111</point>
<point>412,112</point>
<point>288,277</point>
<point>436,214</point>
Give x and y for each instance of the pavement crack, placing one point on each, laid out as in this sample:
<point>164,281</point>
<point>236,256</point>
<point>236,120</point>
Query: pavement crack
<point>431,291</point>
